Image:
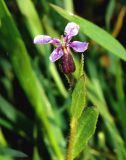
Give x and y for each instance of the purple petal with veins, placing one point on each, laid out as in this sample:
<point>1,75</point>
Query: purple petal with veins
<point>71,29</point>
<point>56,42</point>
<point>56,54</point>
<point>79,46</point>
<point>42,39</point>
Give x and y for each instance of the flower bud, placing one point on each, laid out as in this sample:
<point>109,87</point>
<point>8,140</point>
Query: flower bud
<point>67,62</point>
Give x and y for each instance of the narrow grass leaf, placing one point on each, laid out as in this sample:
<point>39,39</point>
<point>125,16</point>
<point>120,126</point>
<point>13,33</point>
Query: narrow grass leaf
<point>15,117</point>
<point>36,155</point>
<point>27,78</point>
<point>109,13</point>
<point>11,152</point>
<point>117,142</point>
<point>69,5</point>
<point>95,33</point>
<point>35,27</point>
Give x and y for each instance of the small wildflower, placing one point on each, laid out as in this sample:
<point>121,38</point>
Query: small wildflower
<point>63,47</point>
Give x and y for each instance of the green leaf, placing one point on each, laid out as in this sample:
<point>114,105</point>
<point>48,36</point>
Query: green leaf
<point>109,13</point>
<point>15,119</point>
<point>4,151</point>
<point>36,155</point>
<point>95,94</point>
<point>95,33</point>
<point>78,98</point>
<point>31,17</point>
<point>33,24</point>
<point>85,129</point>
<point>69,5</point>
<point>28,79</point>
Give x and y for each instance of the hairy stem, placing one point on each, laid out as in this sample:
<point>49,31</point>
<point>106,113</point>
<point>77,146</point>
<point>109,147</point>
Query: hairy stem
<point>73,127</point>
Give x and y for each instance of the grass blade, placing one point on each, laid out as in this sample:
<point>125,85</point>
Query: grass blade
<point>34,26</point>
<point>4,151</point>
<point>95,33</point>
<point>27,78</point>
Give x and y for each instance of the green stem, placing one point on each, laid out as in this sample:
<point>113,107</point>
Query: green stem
<point>68,4</point>
<point>73,127</point>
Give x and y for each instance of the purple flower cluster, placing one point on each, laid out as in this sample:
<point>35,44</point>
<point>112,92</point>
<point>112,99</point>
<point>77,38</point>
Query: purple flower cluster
<point>63,46</point>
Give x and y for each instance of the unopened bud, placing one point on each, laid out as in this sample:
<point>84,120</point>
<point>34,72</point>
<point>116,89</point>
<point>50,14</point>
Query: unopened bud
<point>67,62</point>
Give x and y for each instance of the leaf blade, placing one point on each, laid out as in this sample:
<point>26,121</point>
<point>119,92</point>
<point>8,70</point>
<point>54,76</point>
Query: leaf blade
<point>78,98</point>
<point>85,129</point>
<point>95,33</point>
<point>5,151</point>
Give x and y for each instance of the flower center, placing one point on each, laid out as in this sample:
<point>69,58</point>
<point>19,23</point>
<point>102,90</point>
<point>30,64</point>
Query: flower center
<point>63,42</point>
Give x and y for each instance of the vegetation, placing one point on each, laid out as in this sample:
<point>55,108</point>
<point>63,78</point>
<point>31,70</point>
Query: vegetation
<point>46,114</point>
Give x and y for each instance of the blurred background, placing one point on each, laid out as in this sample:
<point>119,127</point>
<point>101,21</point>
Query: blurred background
<point>34,93</point>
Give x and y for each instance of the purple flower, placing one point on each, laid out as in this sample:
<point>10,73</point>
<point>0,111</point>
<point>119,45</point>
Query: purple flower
<point>63,47</point>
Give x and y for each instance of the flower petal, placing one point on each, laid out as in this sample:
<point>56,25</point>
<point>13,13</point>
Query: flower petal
<point>42,39</point>
<point>56,54</point>
<point>56,42</point>
<point>79,46</point>
<point>71,29</point>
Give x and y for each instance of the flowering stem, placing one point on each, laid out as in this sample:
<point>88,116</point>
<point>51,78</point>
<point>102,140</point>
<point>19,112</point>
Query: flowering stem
<point>71,80</point>
<point>73,127</point>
